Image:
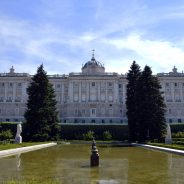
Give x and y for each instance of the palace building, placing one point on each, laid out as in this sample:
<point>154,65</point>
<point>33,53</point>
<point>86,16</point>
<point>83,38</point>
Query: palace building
<point>92,96</point>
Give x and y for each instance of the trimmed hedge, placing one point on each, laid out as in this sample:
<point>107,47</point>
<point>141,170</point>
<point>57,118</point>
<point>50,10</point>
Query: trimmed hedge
<point>72,132</point>
<point>177,128</point>
<point>4,126</point>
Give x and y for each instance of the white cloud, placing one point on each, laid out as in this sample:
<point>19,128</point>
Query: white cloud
<point>108,36</point>
<point>158,54</point>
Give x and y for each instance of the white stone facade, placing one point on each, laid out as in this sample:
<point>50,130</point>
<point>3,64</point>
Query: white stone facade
<point>90,97</point>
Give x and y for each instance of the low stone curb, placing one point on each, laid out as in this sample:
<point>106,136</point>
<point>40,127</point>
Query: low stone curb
<point>170,150</point>
<point>9,152</point>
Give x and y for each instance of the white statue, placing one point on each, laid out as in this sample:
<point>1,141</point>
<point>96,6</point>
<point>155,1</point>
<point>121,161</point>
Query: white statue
<point>168,138</point>
<point>18,138</point>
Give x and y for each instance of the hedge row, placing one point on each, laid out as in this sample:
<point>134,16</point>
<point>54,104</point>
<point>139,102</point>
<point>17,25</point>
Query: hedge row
<point>69,132</point>
<point>118,132</point>
<point>177,128</point>
<point>8,126</point>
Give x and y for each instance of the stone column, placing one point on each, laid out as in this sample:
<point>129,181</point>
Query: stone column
<point>5,91</point>
<point>14,91</point>
<point>124,93</point>
<point>106,92</point>
<point>180,91</point>
<point>62,92</point>
<point>70,91</point>
<point>98,91</point>
<point>172,92</point>
<point>87,95</point>
<point>80,88</point>
<point>115,91</point>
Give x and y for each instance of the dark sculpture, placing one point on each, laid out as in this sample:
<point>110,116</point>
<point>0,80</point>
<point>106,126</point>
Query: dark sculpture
<point>94,155</point>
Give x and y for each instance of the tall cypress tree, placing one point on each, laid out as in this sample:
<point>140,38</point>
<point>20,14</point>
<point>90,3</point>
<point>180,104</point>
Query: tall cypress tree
<point>131,101</point>
<point>41,114</point>
<point>150,107</point>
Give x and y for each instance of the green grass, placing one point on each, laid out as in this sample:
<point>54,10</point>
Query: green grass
<point>173,146</point>
<point>32,182</point>
<point>11,146</point>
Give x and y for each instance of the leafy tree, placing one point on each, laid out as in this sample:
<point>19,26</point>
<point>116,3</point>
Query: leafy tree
<point>41,114</point>
<point>132,77</point>
<point>150,107</point>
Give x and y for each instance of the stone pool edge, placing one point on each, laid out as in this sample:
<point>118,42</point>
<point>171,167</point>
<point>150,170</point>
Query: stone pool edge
<point>170,150</point>
<point>10,152</point>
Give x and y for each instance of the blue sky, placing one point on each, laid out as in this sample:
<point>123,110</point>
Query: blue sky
<point>61,34</point>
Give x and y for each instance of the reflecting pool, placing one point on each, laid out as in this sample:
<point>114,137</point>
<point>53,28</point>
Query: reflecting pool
<point>69,164</point>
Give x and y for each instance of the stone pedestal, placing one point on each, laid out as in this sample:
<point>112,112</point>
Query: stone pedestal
<point>168,141</point>
<point>94,155</point>
<point>18,139</point>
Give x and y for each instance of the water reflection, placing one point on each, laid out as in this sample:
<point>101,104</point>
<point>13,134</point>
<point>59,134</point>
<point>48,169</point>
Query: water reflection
<point>71,164</point>
<point>18,160</point>
<point>175,169</point>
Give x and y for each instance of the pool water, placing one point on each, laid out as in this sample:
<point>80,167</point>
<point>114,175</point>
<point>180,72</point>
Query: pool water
<point>70,164</point>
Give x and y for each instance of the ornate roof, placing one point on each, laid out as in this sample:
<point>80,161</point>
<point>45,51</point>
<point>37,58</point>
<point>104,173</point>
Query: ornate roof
<point>93,66</point>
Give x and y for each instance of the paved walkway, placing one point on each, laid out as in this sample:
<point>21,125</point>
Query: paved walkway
<point>9,152</point>
<point>179,152</point>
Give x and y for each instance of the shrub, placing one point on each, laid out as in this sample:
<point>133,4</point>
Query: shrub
<point>88,136</point>
<point>6,135</point>
<point>107,135</point>
<point>118,132</point>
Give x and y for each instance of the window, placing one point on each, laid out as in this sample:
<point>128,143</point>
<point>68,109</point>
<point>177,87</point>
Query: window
<point>75,121</point>
<point>167,84</point>
<point>64,120</point>
<point>110,105</point>
<point>76,111</point>
<point>9,99</point>
<point>110,84</point>
<point>19,84</point>
<point>93,111</point>
<point>11,84</point>
<point>93,84</point>
<point>170,111</point>
<point>83,121</point>
<point>93,121</point>
<point>103,121</point>
<point>170,120</point>
<point>58,85</point>
<point>175,84</point>
<point>121,121</point>
<point>179,120</point>
<point>110,112</point>
<point>16,111</point>
<point>110,98</point>
<point>120,86</point>
<point>1,99</point>
<point>110,121</point>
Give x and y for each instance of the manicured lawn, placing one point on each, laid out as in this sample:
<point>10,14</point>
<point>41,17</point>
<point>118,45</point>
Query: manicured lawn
<point>33,182</point>
<point>11,146</point>
<point>173,146</point>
